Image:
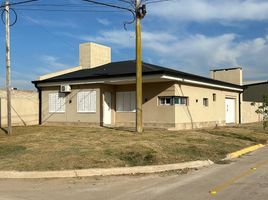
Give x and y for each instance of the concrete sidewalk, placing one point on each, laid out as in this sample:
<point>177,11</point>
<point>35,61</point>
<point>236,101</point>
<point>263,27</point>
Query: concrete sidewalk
<point>105,172</point>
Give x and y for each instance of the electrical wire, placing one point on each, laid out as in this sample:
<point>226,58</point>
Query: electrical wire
<point>18,3</point>
<point>67,10</point>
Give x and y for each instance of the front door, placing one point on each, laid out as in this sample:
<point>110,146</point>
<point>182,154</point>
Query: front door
<point>107,113</point>
<point>230,110</point>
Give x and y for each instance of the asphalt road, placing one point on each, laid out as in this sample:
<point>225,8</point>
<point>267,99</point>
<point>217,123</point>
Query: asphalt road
<point>244,179</point>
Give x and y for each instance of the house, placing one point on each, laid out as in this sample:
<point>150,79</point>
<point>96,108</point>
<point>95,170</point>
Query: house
<point>253,96</point>
<point>24,107</point>
<point>101,92</point>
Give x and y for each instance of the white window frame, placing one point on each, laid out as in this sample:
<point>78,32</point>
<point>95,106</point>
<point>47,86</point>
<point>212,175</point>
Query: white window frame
<point>164,103</point>
<point>182,98</point>
<point>162,100</point>
<point>126,101</point>
<point>56,102</point>
<point>82,105</point>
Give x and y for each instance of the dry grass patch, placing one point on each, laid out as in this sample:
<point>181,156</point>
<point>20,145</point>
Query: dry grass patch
<point>57,148</point>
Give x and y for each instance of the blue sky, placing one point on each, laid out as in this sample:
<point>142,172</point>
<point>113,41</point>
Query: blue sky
<point>189,35</point>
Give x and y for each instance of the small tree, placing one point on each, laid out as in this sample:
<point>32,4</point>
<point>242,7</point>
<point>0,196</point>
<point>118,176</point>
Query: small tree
<point>263,110</point>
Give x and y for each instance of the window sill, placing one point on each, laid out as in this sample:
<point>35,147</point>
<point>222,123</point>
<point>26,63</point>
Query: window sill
<point>126,111</point>
<point>87,112</point>
<point>56,112</point>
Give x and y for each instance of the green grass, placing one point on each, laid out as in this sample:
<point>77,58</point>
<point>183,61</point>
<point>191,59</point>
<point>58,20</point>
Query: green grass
<point>61,147</point>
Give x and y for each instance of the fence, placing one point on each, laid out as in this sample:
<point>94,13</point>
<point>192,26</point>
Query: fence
<point>24,108</point>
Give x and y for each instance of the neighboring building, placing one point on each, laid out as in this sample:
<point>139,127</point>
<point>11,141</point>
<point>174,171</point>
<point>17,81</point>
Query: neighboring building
<point>253,95</point>
<point>103,93</point>
<point>24,110</point>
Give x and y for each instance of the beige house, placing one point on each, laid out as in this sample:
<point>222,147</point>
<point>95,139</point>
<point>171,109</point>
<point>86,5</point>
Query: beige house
<point>101,92</point>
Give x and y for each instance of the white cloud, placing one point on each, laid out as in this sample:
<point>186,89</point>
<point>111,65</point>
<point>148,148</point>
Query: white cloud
<point>196,53</point>
<point>104,21</point>
<point>51,23</point>
<point>205,10</point>
<point>51,64</point>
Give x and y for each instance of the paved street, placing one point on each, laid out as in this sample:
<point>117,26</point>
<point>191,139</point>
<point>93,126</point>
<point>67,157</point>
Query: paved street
<point>245,178</point>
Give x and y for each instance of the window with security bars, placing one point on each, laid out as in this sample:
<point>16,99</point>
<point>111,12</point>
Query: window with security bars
<point>86,101</point>
<point>175,100</point>
<point>56,102</point>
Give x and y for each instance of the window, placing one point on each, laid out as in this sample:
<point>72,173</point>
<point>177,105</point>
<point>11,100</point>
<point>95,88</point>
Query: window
<point>165,100</point>
<point>125,101</point>
<point>173,100</point>
<point>205,102</point>
<point>56,102</point>
<point>86,101</point>
<point>214,97</point>
<point>181,100</point>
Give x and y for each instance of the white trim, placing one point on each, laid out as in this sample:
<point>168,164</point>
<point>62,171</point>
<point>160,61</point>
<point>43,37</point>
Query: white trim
<point>212,85</point>
<point>131,79</point>
<point>200,83</point>
<point>172,78</point>
<point>96,81</point>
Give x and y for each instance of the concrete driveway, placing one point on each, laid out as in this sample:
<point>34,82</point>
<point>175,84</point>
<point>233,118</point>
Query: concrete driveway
<point>245,178</point>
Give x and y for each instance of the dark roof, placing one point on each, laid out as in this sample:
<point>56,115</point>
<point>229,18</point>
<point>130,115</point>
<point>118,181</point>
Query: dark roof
<point>127,69</point>
<point>225,69</point>
<point>256,83</point>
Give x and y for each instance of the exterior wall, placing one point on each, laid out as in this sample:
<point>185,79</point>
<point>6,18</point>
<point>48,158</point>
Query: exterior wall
<point>153,114</point>
<point>196,115</point>
<point>71,115</point>
<point>248,112</point>
<point>93,55</point>
<point>255,93</point>
<point>234,75</point>
<point>24,108</point>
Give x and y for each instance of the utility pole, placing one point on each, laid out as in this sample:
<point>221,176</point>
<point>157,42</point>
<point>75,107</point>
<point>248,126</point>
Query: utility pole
<point>139,125</point>
<point>139,13</point>
<point>8,84</point>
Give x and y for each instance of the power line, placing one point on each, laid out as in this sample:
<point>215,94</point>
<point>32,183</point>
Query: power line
<point>109,5</point>
<point>18,3</point>
<point>68,10</point>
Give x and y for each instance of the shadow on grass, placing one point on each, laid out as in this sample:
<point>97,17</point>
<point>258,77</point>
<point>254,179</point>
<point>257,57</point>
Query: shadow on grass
<point>128,129</point>
<point>4,130</point>
<point>235,136</point>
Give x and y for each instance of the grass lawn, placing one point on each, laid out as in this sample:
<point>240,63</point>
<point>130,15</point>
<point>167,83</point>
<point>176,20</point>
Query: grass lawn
<point>57,148</point>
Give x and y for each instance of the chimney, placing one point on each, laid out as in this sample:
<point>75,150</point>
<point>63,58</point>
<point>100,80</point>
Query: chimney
<point>93,55</point>
<point>230,75</point>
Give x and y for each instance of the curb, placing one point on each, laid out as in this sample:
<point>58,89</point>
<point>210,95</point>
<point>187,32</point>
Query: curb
<point>241,152</point>
<point>103,172</point>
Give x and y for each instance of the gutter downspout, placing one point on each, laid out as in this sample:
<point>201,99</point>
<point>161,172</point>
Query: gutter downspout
<point>239,108</point>
<point>39,104</point>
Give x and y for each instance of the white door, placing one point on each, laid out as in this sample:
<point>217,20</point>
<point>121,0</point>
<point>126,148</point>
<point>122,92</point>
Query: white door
<point>107,113</point>
<point>230,110</point>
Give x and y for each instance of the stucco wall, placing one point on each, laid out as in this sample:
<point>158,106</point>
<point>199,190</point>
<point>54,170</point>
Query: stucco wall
<point>196,115</point>
<point>233,75</point>
<point>153,114</point>
<point>70,115</point>
<point>248,112</point>
<point>24,108</point>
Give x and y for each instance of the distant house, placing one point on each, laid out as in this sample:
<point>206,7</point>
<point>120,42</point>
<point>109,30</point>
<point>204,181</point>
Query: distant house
<point>101,92</point>
<point>253,94</point>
